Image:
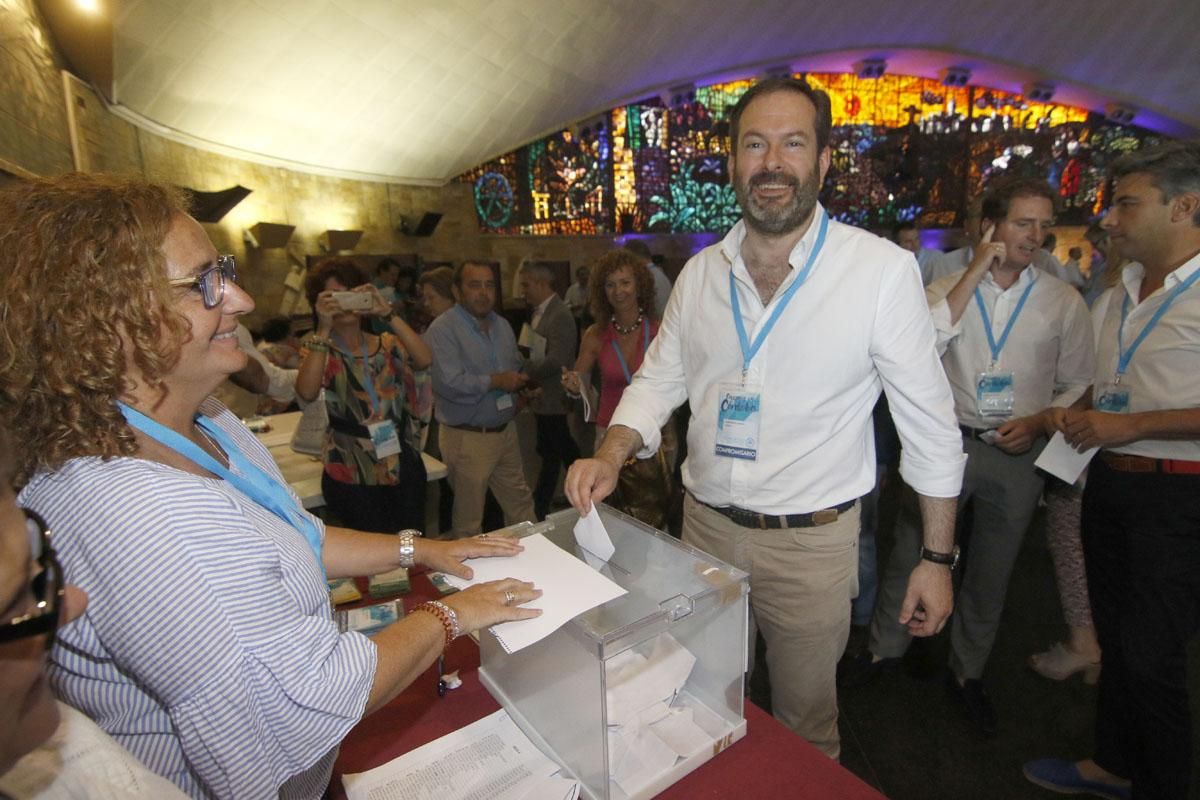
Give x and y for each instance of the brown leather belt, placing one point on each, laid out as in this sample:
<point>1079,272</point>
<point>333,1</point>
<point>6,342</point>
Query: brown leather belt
<point>752,519</point>
<point>479,428</point>
<point>1171,466</point>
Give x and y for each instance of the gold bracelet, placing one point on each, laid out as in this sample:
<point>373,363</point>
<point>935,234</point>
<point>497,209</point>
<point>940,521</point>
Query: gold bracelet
<point>446,615</point>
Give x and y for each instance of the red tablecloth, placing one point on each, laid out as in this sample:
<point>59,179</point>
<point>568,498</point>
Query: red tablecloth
<point>770,761</point>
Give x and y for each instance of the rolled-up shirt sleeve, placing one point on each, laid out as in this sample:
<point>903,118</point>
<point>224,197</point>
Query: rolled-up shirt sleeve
<point>905,351</point>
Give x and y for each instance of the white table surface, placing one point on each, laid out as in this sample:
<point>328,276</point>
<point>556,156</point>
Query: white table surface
<point>302,471</point>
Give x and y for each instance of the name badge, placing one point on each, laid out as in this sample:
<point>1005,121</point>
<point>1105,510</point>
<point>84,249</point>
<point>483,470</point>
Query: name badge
<point>1113,398</point>
<point>504,401</point>
<point>384,439</point>
<point>739,416</point>
<point>994,394</point>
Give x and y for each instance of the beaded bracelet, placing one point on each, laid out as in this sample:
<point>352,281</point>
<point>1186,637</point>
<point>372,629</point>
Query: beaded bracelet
<point>446,615</point>
<point>316,344</point>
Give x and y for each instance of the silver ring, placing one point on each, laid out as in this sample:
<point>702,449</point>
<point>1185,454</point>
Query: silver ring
<point>509,598</point>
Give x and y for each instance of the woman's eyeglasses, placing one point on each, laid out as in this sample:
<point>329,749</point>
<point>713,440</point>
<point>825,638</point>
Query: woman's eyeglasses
<point>211,281</point>
<point>46,586</point>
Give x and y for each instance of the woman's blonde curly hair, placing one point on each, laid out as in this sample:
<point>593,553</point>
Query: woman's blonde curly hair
<point>606,265</point>
<point>83,292</point>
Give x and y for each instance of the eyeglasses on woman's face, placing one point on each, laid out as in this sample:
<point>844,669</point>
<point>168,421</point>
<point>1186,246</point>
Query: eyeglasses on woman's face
<point>45,587</point>
<point>211,282</point>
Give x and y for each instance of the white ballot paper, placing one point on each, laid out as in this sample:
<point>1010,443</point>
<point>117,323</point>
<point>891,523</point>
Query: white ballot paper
<point>534,341</point>
<point>569,588</point>
<point>592,536</point>
<point>487,760</point>
<point>1063,461</point>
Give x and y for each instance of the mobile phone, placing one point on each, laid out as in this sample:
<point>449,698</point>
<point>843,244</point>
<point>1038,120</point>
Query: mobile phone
<point>354,301</point>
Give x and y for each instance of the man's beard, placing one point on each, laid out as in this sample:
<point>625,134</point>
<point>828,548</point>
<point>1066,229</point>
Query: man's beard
<point>776,219</point>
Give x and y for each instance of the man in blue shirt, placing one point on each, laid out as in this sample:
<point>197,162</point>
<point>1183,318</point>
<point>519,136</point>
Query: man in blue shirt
<point>476,375</point>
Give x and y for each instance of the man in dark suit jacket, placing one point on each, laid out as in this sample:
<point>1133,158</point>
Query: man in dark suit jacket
<point>553,324</point>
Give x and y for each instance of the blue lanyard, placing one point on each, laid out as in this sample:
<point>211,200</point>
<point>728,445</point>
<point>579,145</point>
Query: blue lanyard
<point>249,479</point>
<point>995,346</point>
<point>473,324</point>
<point>368,381</point>
<point>1125,356</point>
<point>645,347</point>
<point>748,350</point>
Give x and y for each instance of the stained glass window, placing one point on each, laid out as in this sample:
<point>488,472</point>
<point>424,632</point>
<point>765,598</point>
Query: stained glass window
<point>903,148</point>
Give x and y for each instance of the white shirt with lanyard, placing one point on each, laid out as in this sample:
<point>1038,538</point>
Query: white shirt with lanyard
<point>1115,397</point>
<point>245,476</point>
<point>994,389</point>
<point>385,440</point>
<point>739,407</point>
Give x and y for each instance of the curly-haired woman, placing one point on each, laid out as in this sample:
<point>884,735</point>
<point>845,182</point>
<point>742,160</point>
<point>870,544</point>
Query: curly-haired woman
<point>208,648</point>
<point>374,479</point>
<point>621,297</point>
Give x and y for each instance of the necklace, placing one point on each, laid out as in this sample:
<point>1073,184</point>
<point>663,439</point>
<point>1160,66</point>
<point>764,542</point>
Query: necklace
<point>636,324</point>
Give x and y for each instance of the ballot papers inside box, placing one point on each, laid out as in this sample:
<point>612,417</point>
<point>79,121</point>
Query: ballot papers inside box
<point>636,693</point>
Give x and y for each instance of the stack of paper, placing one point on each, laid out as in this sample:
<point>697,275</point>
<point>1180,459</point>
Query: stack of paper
<point>386,584</point>
<point>343,590</point>
<point>487,760</point>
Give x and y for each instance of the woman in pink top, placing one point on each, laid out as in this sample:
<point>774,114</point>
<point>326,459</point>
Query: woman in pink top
<point>621,296</point>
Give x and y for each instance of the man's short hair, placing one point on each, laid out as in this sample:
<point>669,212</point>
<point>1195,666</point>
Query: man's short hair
<point>538,270</point>
<point>824,117</point>
<point>1002,192</point>
<point>384,264</point>
<point>639,248</point>
<point>1173,168</point>
<point>461,268</point>
<point>901,227</point>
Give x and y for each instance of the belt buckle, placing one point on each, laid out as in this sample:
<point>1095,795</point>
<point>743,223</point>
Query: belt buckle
<point>824,516</point>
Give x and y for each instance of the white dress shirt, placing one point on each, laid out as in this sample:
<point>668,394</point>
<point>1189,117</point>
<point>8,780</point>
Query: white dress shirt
<point>1165,371</point>
<point>538,311</point>
<point>858,324</point>
<point>1049,351</point>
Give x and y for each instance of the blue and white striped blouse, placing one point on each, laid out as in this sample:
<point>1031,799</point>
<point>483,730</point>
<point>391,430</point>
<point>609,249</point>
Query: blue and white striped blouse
<point>208,648</point>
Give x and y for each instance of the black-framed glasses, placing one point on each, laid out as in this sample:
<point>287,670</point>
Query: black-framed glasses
<point>211,281</point>
<point>46,586</point>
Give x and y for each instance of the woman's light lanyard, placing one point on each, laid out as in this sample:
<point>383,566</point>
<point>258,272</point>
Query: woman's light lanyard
<point>748,350</point>
<point>995,346</point>
<point>368,381</point>
<point>645,347</point>
<point>249,479</point>
<point>1125,356</point>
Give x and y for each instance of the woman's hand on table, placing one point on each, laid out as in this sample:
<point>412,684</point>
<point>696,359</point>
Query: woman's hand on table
<point>447,556</point>
<point>486,604</point>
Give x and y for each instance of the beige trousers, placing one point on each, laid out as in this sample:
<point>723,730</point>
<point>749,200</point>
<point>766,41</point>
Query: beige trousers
<point>477,462</point>
<point>801,584</point>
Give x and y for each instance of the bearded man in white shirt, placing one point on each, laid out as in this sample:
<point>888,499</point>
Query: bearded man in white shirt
<point>781,337</point>
<point>1017,342</point>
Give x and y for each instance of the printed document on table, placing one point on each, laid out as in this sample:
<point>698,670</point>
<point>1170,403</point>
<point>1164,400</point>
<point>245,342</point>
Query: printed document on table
<point>569,588</point>
<point>1063,461</point>
<point>487,760</point>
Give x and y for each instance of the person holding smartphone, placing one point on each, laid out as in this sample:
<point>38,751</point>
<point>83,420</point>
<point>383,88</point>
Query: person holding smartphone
<point>378,400</point>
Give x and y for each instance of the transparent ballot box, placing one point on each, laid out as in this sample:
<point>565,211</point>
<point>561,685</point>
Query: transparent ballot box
<point>636,693</point>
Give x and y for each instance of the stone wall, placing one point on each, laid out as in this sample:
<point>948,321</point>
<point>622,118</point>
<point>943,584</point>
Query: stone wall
<point>35,138</point>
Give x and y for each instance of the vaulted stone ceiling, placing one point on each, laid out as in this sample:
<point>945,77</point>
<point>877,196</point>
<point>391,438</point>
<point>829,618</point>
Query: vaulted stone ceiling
<point>420,91</point>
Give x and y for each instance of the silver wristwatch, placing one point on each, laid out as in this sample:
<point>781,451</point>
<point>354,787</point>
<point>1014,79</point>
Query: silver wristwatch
<point>407,550</point>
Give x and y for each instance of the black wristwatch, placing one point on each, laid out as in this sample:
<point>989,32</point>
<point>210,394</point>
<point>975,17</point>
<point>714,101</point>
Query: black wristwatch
<point>949,559</point>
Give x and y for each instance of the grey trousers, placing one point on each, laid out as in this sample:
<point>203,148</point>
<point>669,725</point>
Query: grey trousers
<point>1004,492</point>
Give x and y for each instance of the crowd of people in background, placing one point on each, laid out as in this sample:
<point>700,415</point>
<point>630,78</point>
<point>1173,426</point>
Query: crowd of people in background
<point>158,497</point>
